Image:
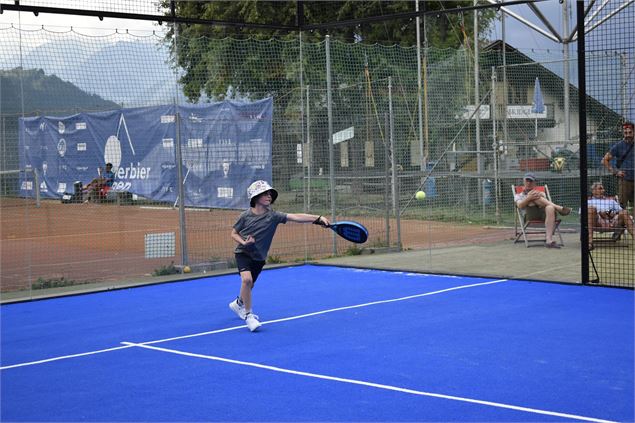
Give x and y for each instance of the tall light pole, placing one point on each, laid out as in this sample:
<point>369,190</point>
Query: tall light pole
<point>565,51</point>
<point>422,158</point>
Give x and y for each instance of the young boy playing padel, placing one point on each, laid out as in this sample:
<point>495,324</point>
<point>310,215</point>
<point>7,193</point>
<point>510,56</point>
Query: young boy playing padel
<point>254,231</point>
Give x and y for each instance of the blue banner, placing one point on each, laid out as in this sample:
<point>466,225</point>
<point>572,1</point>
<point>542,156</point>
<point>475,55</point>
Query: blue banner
<point>224,147</point>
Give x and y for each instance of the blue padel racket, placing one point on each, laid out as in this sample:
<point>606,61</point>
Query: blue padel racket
<point>350,231</point>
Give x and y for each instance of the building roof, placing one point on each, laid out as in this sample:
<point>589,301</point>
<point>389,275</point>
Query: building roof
<point>551,81</point>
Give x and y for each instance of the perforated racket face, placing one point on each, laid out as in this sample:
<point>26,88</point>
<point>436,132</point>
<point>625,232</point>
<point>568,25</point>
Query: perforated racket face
<point>351,231</point>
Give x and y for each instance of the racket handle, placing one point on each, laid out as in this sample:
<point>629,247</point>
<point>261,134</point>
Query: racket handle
<point>318,221</point>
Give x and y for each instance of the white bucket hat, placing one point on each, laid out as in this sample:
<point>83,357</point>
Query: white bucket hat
<point>258,188</point>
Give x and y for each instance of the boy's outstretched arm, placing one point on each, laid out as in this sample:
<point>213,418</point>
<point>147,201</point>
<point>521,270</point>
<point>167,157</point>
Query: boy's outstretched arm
<point>307,218</point>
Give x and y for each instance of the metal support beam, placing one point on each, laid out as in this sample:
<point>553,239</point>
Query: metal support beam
<point>609,16</point>
<point>526,22</point>
<point>101,14</point>
<point>299,26</point>
<point>575,28</point>
<point>544,20</point>
<point>596,12</point>
<point>582,129</point>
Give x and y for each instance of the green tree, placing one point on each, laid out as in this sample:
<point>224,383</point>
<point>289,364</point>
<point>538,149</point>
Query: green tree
<point>231,61</point>
<point>206,66</point>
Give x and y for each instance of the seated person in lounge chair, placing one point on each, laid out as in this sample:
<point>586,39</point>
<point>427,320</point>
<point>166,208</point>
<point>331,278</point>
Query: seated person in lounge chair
<point>605,213</point>
<point>537,206</point>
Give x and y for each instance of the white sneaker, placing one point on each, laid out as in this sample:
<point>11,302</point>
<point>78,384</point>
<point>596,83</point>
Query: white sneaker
<point>252,322</point>
<point>238,309</point>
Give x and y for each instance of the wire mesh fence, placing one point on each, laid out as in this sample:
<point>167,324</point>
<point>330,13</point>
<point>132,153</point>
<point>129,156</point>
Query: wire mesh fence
<point>354,135</point>
<point>610,78</point>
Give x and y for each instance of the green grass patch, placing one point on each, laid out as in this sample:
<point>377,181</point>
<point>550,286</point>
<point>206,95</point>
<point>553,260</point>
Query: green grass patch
<point>43,283</point>
<point>353,250</point>
<point>170,269</point>
<point>274,260</point>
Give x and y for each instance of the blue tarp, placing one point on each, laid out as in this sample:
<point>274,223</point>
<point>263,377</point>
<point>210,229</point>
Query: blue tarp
<point>224,147</point>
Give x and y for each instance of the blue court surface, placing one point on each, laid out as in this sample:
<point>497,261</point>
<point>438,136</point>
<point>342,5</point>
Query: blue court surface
<point>337,344</point>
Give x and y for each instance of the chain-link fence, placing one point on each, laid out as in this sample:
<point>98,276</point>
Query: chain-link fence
<point>355,134</point>
<point>610,79</point>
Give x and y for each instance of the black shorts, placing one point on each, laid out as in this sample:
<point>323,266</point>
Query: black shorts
<point>246,263</point>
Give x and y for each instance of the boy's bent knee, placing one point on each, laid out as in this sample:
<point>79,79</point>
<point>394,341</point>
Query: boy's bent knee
<point>248,282</point>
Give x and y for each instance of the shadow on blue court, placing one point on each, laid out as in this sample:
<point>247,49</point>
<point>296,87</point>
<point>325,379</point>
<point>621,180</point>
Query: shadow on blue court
<point>337,344</point>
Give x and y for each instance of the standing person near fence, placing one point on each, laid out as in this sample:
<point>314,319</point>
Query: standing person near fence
<point>623,153</point>
<point>254,231</point>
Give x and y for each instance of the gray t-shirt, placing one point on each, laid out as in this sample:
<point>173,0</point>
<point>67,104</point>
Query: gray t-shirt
<point>262,227</point>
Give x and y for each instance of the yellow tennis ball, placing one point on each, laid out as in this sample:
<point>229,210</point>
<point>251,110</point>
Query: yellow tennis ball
<point>187,269</point>
<point>420,195</point>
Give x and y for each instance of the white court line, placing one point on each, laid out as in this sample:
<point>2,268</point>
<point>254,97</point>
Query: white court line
<point>284,319</point>
<point>63,357</point>
<point>548,271</point>
<point>331,310</point>
<point>172,208</point>
<point>372,384</point>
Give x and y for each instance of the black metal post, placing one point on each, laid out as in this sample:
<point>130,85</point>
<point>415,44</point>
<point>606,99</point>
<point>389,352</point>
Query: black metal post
<point>584,212</point>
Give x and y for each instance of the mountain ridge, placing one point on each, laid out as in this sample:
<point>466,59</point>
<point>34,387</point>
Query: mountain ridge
<point>45,94</point>
<point>131,73</point>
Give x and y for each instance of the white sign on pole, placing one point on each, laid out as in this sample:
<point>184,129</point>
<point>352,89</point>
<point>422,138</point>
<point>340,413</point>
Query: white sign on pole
<point>344,135</point>
<point>516,111</point>
<point>298,153</point>
<point>469,112</point>
<point>525,112</point>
